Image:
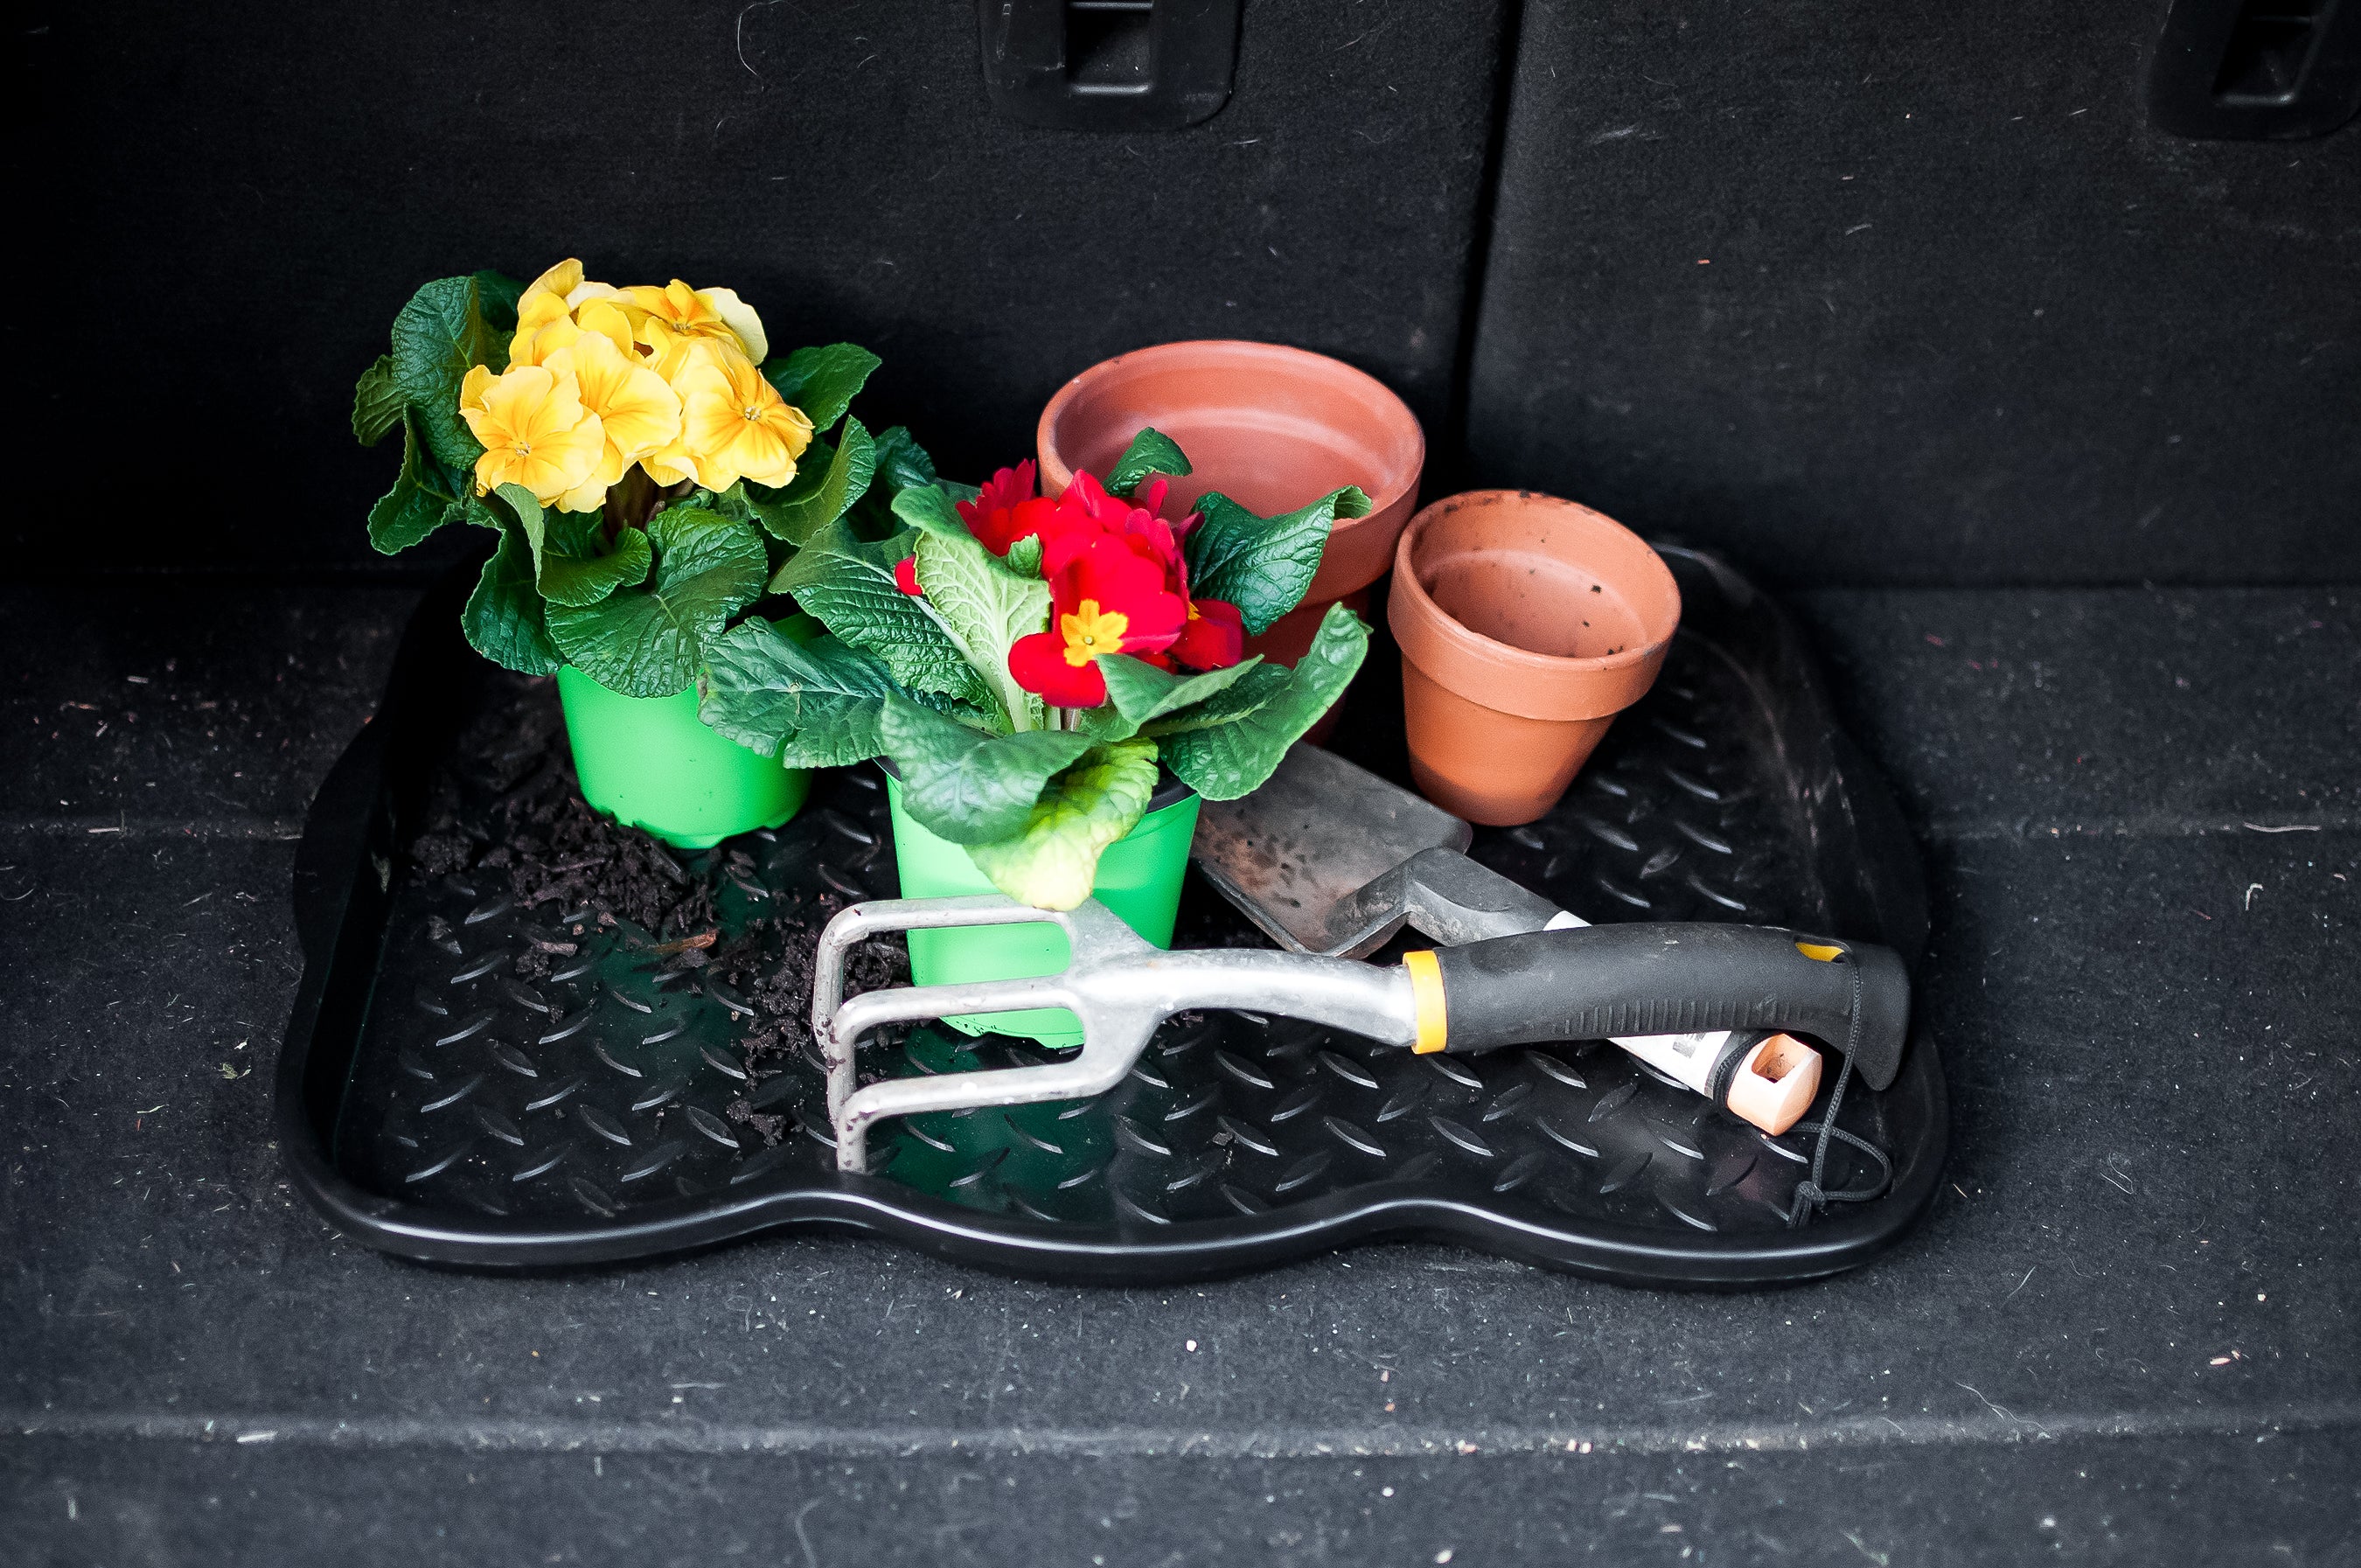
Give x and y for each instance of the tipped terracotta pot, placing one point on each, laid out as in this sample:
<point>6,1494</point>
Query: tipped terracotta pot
<point>1271,428</point>
<point>1526,624</point>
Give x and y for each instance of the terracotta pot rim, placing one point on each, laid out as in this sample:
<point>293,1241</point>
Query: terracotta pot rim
<point>1056,475</point>
<point>1409,590</point>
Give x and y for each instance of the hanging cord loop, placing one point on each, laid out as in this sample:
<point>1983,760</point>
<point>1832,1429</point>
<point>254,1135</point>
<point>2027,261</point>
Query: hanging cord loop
<point>1810,1196</point>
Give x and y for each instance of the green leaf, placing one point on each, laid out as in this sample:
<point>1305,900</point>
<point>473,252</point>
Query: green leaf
<point>812,704</point>
<point>498,294</point>
<point>984,607</point>
<point>1226,760</point>
<point>438,337</point>
<point>902,463</point>
<point>1253,693</point>
<point>572,564</point>
<point>965,786</point>
<point>817,495</point>
<point>1054,861</point>
<point>1262,565</point>
<point>928,509</point>
<point>504,620</point>
<point>822,381</point>
<point>1150,452</point>
<point>418,504</point>
<point>1139,693</point>
<point>1023,557</point>
<point>901,460</point>
<point>848,583</point>
<point>378,402</point>
<point>650,642</point>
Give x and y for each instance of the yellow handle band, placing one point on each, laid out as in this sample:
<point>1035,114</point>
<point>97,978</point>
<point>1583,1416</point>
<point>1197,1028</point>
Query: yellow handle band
<point>1426,989</point>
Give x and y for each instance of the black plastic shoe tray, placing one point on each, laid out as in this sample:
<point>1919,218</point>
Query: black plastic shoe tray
<point>435,1106</point>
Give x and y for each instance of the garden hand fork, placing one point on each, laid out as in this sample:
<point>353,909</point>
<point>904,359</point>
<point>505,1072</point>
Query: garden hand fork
<point>1576,983</point>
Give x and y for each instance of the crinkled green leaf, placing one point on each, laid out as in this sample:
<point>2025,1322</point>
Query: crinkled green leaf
<point>826,483</point>
<point>901,460</point>
<point>378,402</point>
<point>1139,693</point>
<point>812,704</point>
<point>420,503</point>
<point>964,784</point>
<point>1256,689</point>
<point>822,381</point>
<point>504,620</point>
<point>1262,565</point>
<point>848,583</point>
<point>928,509</point>
<point>984,607</point>
<point>1226,760</point>
<point>901,463</point>
<point>1023,557</point>
<point>650,642</point>
<point>437,339</point>
<point>1150,452</point>
<point>573,563</point>
<point>497,294</point>
<point>1054,861</point>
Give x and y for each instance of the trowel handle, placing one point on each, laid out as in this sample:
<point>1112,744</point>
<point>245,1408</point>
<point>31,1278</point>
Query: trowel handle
<point>1600,981</point>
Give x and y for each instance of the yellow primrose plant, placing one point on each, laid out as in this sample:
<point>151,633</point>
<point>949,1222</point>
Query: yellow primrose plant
<point>646,460</point>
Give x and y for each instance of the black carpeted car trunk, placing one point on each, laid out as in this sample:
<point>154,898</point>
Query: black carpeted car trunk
<point>2045,421</point>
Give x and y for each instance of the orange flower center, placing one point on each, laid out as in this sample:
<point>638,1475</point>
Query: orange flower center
<point>1090,632</point>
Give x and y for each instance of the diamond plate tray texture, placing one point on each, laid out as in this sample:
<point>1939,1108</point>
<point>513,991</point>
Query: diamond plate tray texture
<point>610,1108</point>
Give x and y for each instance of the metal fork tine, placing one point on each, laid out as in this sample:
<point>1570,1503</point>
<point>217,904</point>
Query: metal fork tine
<point>1092,933</point>
<point>1120,986</point>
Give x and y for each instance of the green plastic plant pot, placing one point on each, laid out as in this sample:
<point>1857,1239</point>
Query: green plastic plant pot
<point>1139,878</point>
<point>651,762</point>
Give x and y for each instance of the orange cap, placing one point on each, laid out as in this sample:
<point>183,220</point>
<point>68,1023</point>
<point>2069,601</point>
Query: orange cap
<point>1773,1086</point>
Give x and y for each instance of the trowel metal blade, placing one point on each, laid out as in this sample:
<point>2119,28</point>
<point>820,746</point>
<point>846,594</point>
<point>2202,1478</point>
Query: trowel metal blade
<point>1319,830</point>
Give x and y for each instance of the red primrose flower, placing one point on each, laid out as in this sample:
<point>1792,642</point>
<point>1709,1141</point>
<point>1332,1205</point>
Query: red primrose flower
<point>1118,584</point>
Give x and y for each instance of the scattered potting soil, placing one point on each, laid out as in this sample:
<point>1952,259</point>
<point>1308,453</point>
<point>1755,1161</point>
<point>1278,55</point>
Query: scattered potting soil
<point>507,803</point>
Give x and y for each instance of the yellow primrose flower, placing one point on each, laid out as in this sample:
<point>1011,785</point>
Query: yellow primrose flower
<point>548,319</point>
<point>565,275</point>
<point>670,353</point>
<point>734,425</point>
<point>566,281</point>
<point>543,327</point>
<point>638,412</point>
<point>603,317</point>
<point>534,429</point>
<point>702,312</point>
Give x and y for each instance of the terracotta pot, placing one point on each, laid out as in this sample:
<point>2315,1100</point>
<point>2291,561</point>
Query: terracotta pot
<point>1271,428</point>
<point>1526,624</point>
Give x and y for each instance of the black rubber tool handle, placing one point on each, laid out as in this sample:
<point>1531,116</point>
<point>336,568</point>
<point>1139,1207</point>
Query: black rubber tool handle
<point>1598,982</point>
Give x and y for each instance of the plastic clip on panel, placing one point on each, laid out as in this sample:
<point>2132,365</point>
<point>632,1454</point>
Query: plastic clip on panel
<point>2257,70</point>
<point>1109,65</point>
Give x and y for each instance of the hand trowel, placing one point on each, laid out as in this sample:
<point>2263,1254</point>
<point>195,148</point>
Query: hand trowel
<point>1329,859</point>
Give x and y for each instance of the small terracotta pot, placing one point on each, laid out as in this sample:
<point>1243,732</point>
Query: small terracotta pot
<point>1271,428</point>
<point>1526,624</point>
